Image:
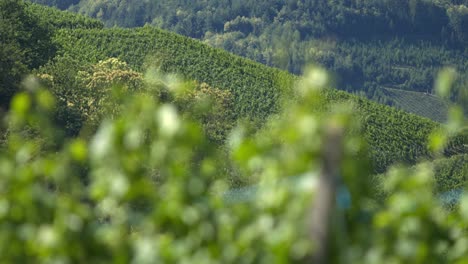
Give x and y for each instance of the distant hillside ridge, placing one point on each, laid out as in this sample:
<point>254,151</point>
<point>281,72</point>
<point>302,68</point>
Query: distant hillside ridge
<point>368,44</point>
<point>258,90</point>
<point>56,18</point>
<point>393,135</point>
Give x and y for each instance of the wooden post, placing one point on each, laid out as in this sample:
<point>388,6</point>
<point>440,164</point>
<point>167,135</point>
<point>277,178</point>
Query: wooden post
<point>324,199</point>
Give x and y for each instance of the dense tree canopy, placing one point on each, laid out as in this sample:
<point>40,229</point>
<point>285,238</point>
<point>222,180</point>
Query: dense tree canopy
<point>309,18</point>
<point>25,43</point>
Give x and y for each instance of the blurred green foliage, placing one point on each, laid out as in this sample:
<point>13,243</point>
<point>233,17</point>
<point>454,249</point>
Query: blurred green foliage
<point>147,187</point>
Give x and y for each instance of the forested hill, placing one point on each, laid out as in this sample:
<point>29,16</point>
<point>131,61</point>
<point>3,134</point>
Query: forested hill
<point>257,90</point>
<point>374,46</point>
<point>443,19</point>
<point>126,145</point>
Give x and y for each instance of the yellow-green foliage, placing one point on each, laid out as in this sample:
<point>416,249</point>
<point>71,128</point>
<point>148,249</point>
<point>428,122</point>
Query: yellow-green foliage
<point>216,115</point>
<point>96,86</point>
<point>95,90</point>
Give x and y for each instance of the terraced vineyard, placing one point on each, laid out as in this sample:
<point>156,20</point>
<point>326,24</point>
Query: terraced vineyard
<point>451,173</point>
<point>422,104</point>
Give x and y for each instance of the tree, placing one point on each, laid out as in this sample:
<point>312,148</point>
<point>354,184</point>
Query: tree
<point>24,44</point>
<point>458,16</point>
<point>216,115</point>
<point>95,95</point>
<point>61,4</point>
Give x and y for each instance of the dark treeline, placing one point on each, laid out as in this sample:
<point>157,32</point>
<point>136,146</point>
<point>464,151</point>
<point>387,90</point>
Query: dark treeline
<point>346,18</point>
<point>25,44</point>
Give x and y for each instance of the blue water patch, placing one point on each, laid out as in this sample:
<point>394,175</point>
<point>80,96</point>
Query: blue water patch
<point>295,183</point>
<point>343,197</point>
<point>451,197</point>
<point>241,195</point>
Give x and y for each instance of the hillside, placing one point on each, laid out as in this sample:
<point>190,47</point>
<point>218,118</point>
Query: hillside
<point>139,145</point>
<point>369,44</point>
<point>392,135</point>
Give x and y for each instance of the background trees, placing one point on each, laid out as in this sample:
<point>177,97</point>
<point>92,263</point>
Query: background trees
<point>458,16</point>
<point>312,18</point>
<point>25,44</point>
